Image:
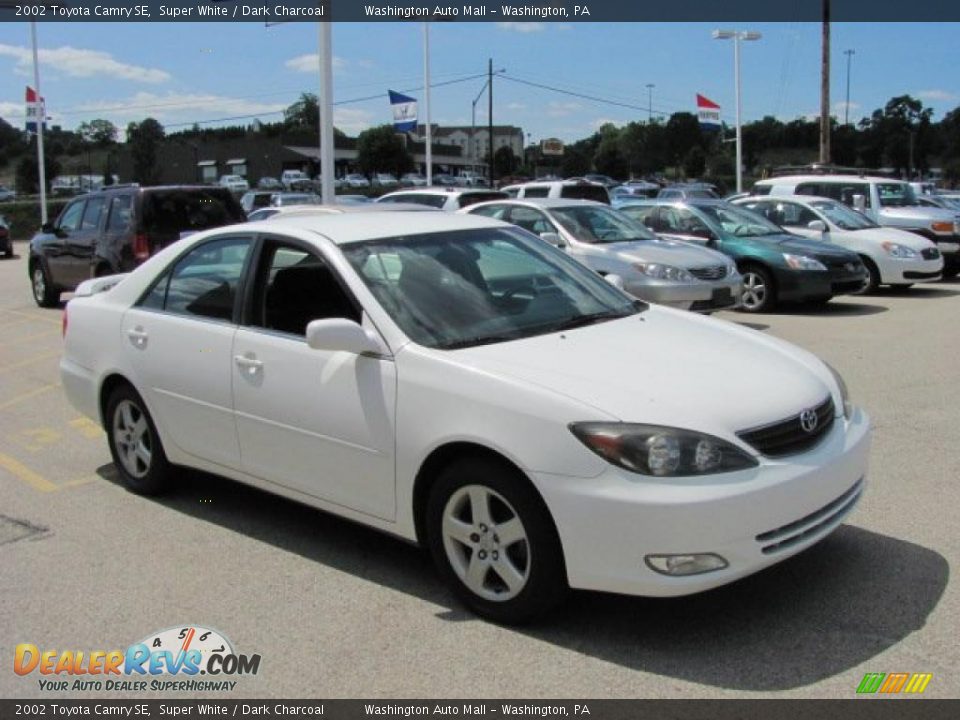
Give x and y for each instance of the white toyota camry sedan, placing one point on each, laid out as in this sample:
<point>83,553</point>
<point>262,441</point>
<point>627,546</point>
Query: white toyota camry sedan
<point>459,383</point>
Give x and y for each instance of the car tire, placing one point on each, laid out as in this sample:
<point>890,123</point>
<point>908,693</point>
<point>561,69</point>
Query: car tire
<point>950,272</point>
<point>873,277</point>
<point>44,294</point>
<point>493,541</point>
<point>135,444</point>
<point>759,290</point>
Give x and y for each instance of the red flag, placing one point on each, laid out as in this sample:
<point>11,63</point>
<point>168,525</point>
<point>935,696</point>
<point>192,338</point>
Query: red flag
<point>703,102</point>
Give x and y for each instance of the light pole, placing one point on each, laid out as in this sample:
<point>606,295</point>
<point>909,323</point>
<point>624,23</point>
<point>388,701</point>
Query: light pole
<point>737,36</point>
<point>473,124</point>
<point>846,105</point>
<point>650,87</point>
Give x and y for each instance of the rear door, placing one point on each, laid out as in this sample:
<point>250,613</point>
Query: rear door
<point>80,244</point>
<point>56,247</point>
<point>179,339</point>
<point>116,245</point>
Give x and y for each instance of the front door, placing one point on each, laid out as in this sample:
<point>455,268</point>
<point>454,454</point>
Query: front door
<point>315,421</point>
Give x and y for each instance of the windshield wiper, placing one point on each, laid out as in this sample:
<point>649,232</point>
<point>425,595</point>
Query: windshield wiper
<point>474,341</point>
<point>590,319</point>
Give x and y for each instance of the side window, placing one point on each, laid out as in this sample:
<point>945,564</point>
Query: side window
<point>119,219</point>
<point>91,216</point>
<point>759,189</point>
<point>531,220</point>
<point>493,211</point>
<point>812,189</point>
<point>295,287</point>
<point>537,191</point>
<point>848,191</point>
<point>70,220</point>
<point>644,214</point>
<point>203,283</point>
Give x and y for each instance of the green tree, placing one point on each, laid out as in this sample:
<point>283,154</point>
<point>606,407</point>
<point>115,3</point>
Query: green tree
<point>380,149</point>
<point>98,132</point>
<point>28,176</point>
<point>144,141</point>
<point>695,162</point>
<point>682,133</point>
<point>305,112</point>
<point>608,157</point>
<point>504,161</point>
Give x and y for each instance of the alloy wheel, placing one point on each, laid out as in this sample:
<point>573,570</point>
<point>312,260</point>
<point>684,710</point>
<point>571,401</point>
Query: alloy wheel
<point>486,543</point>
<point>39,284</point>
<point>754,290</point>
<point>132,437</point>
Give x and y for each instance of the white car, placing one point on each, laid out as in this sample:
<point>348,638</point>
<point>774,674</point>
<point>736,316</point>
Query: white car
<point>294,180</point>
<point>356,180</point>
<point>234,183</point>
<point>567,189</point>
<point>453,381</point>
<point>891,256</point>
<point>449,199</point>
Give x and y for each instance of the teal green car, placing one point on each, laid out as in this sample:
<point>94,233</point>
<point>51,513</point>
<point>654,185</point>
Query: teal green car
<point>776,266</point>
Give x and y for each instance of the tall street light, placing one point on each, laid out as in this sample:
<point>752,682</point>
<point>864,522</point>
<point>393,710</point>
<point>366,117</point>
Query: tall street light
<point>737,36</point>
<point>650,87</point>
<point>846,105</point>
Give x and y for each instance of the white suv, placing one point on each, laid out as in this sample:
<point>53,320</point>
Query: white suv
<point>566,189</point>
<point>442,198</point>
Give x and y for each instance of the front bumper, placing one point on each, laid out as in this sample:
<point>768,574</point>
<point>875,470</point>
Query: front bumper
<point>698,295</point>
<point>899,272</point>
<point>801,285</point>
<point>753,519</point>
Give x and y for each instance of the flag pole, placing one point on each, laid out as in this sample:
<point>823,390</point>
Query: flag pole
<point>327,169</point>
<point>39,113</point>
<point>426,96</point>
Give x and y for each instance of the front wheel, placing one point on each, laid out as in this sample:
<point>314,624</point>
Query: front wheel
<point>873,277</point>
<point>759,291</point>
<point>44,294</point>
<point>135,444</point>
<point>493,541</point>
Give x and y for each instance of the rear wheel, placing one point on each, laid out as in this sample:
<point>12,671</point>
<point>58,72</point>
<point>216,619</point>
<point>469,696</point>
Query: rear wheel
<point>494,542</point>
<point>135,444</point>
<point>759,291</point>
<point>44,293</point>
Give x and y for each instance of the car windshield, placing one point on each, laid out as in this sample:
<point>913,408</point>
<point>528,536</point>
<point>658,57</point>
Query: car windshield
<point>597,224</point>
<point>473,287</point>
<point>738,221</point>
<point>842,216</point>
<point>896,194</point>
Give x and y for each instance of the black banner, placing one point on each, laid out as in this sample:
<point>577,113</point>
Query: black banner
<point>477,11</point>
<point>862,709</point>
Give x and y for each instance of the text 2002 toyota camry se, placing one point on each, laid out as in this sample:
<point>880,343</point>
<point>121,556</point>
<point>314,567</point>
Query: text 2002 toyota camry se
<point>458,382</point>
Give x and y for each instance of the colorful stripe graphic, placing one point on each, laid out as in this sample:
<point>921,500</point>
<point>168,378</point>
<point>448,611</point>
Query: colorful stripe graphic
<point>892,683</point>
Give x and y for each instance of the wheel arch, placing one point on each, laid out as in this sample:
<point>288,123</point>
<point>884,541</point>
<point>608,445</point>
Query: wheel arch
<point>109,384</point>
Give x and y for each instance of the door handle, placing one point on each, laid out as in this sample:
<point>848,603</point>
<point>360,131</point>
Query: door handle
<point>138,337</point>
<point>248,363</point>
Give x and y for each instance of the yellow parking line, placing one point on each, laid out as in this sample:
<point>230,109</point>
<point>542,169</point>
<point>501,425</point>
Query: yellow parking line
<point>33,316</point>
<point>85,480</point>
<point>30,360</point>
<point>17,341</point>
<point>27,395</point>
<point>25,474</point>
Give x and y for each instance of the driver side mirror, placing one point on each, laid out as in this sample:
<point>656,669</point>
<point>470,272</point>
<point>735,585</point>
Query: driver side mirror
<point>48,227</point>
<point>554,239</point>
<point>340,334</point>
<point>859,202</point>
<point>818,225</point>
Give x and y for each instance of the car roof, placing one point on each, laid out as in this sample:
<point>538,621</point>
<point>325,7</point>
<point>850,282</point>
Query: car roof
<point>801,199</point>
<point>339,209</point>
<point>342,228</point>
<point>438,190</point>
<point>790,179</point>
<point>547,203</point>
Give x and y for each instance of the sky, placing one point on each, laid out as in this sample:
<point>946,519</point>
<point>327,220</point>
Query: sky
<point>181,73</point>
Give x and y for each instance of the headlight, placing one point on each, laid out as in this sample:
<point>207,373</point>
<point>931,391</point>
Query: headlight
<point>663,272</point>
<point>899,251</point>
<point>844,393</point>
<point>802,262</point>
<point>661,451</point>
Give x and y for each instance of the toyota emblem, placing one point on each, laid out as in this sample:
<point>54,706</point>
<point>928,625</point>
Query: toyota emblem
<point>809,420</point>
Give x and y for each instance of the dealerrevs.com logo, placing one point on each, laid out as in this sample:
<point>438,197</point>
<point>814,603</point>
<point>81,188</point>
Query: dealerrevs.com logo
<point>170,660</point>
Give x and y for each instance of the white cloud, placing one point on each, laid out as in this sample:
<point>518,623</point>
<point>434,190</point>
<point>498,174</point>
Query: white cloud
<point>352,120</point>
<point>598,123</point>
<point>310,63</point>
<point>78,62</point>
<point>11,110</point>
<point>937,95</point>
<point>522,27</point>
<point>840,107</point>
<point>516,106</point>
<point>561,109</point>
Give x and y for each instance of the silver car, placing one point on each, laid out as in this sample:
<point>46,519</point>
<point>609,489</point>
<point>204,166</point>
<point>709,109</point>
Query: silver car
<point>669,273</point>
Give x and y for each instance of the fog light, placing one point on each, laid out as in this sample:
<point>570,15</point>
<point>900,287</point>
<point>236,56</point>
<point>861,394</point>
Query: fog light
<point>679,565</point>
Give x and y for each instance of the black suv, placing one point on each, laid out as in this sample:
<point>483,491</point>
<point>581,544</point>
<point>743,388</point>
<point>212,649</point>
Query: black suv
<point>115,229</point>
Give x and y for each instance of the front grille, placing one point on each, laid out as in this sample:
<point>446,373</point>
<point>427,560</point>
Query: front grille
<point>787,437</point>
<point>844,267</point>
<point>816,523</point>
<point>713,272</point>
<point>930,253</point>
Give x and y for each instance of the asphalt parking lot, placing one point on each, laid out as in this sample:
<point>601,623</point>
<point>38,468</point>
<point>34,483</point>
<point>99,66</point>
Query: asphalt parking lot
<point>336,610</point>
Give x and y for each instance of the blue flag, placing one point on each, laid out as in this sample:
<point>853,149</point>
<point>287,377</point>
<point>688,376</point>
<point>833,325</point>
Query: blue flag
<point>404,112</point>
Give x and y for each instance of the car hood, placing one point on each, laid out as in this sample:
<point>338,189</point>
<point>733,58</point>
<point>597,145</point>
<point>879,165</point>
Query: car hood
<point>890,234</point>
<point>666,367</point>
<point>919,215</point>
<point>797,245</point>
<point>679,254</point>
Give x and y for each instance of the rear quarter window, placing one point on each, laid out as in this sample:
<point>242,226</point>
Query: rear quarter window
<point>468,199</point>
<point>585,192</point>
<point>175,211</point>
<point>540,191</point>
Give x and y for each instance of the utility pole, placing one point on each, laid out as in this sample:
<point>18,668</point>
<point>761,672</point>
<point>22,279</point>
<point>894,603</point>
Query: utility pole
<point>650,87</point>
<point>426,95</point>
<point>846,105</point>
<point>490,116</point>
<point>40,116</point>
<point>825,87</point>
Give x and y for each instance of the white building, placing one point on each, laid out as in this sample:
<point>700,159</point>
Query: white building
<point>475,142</point>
